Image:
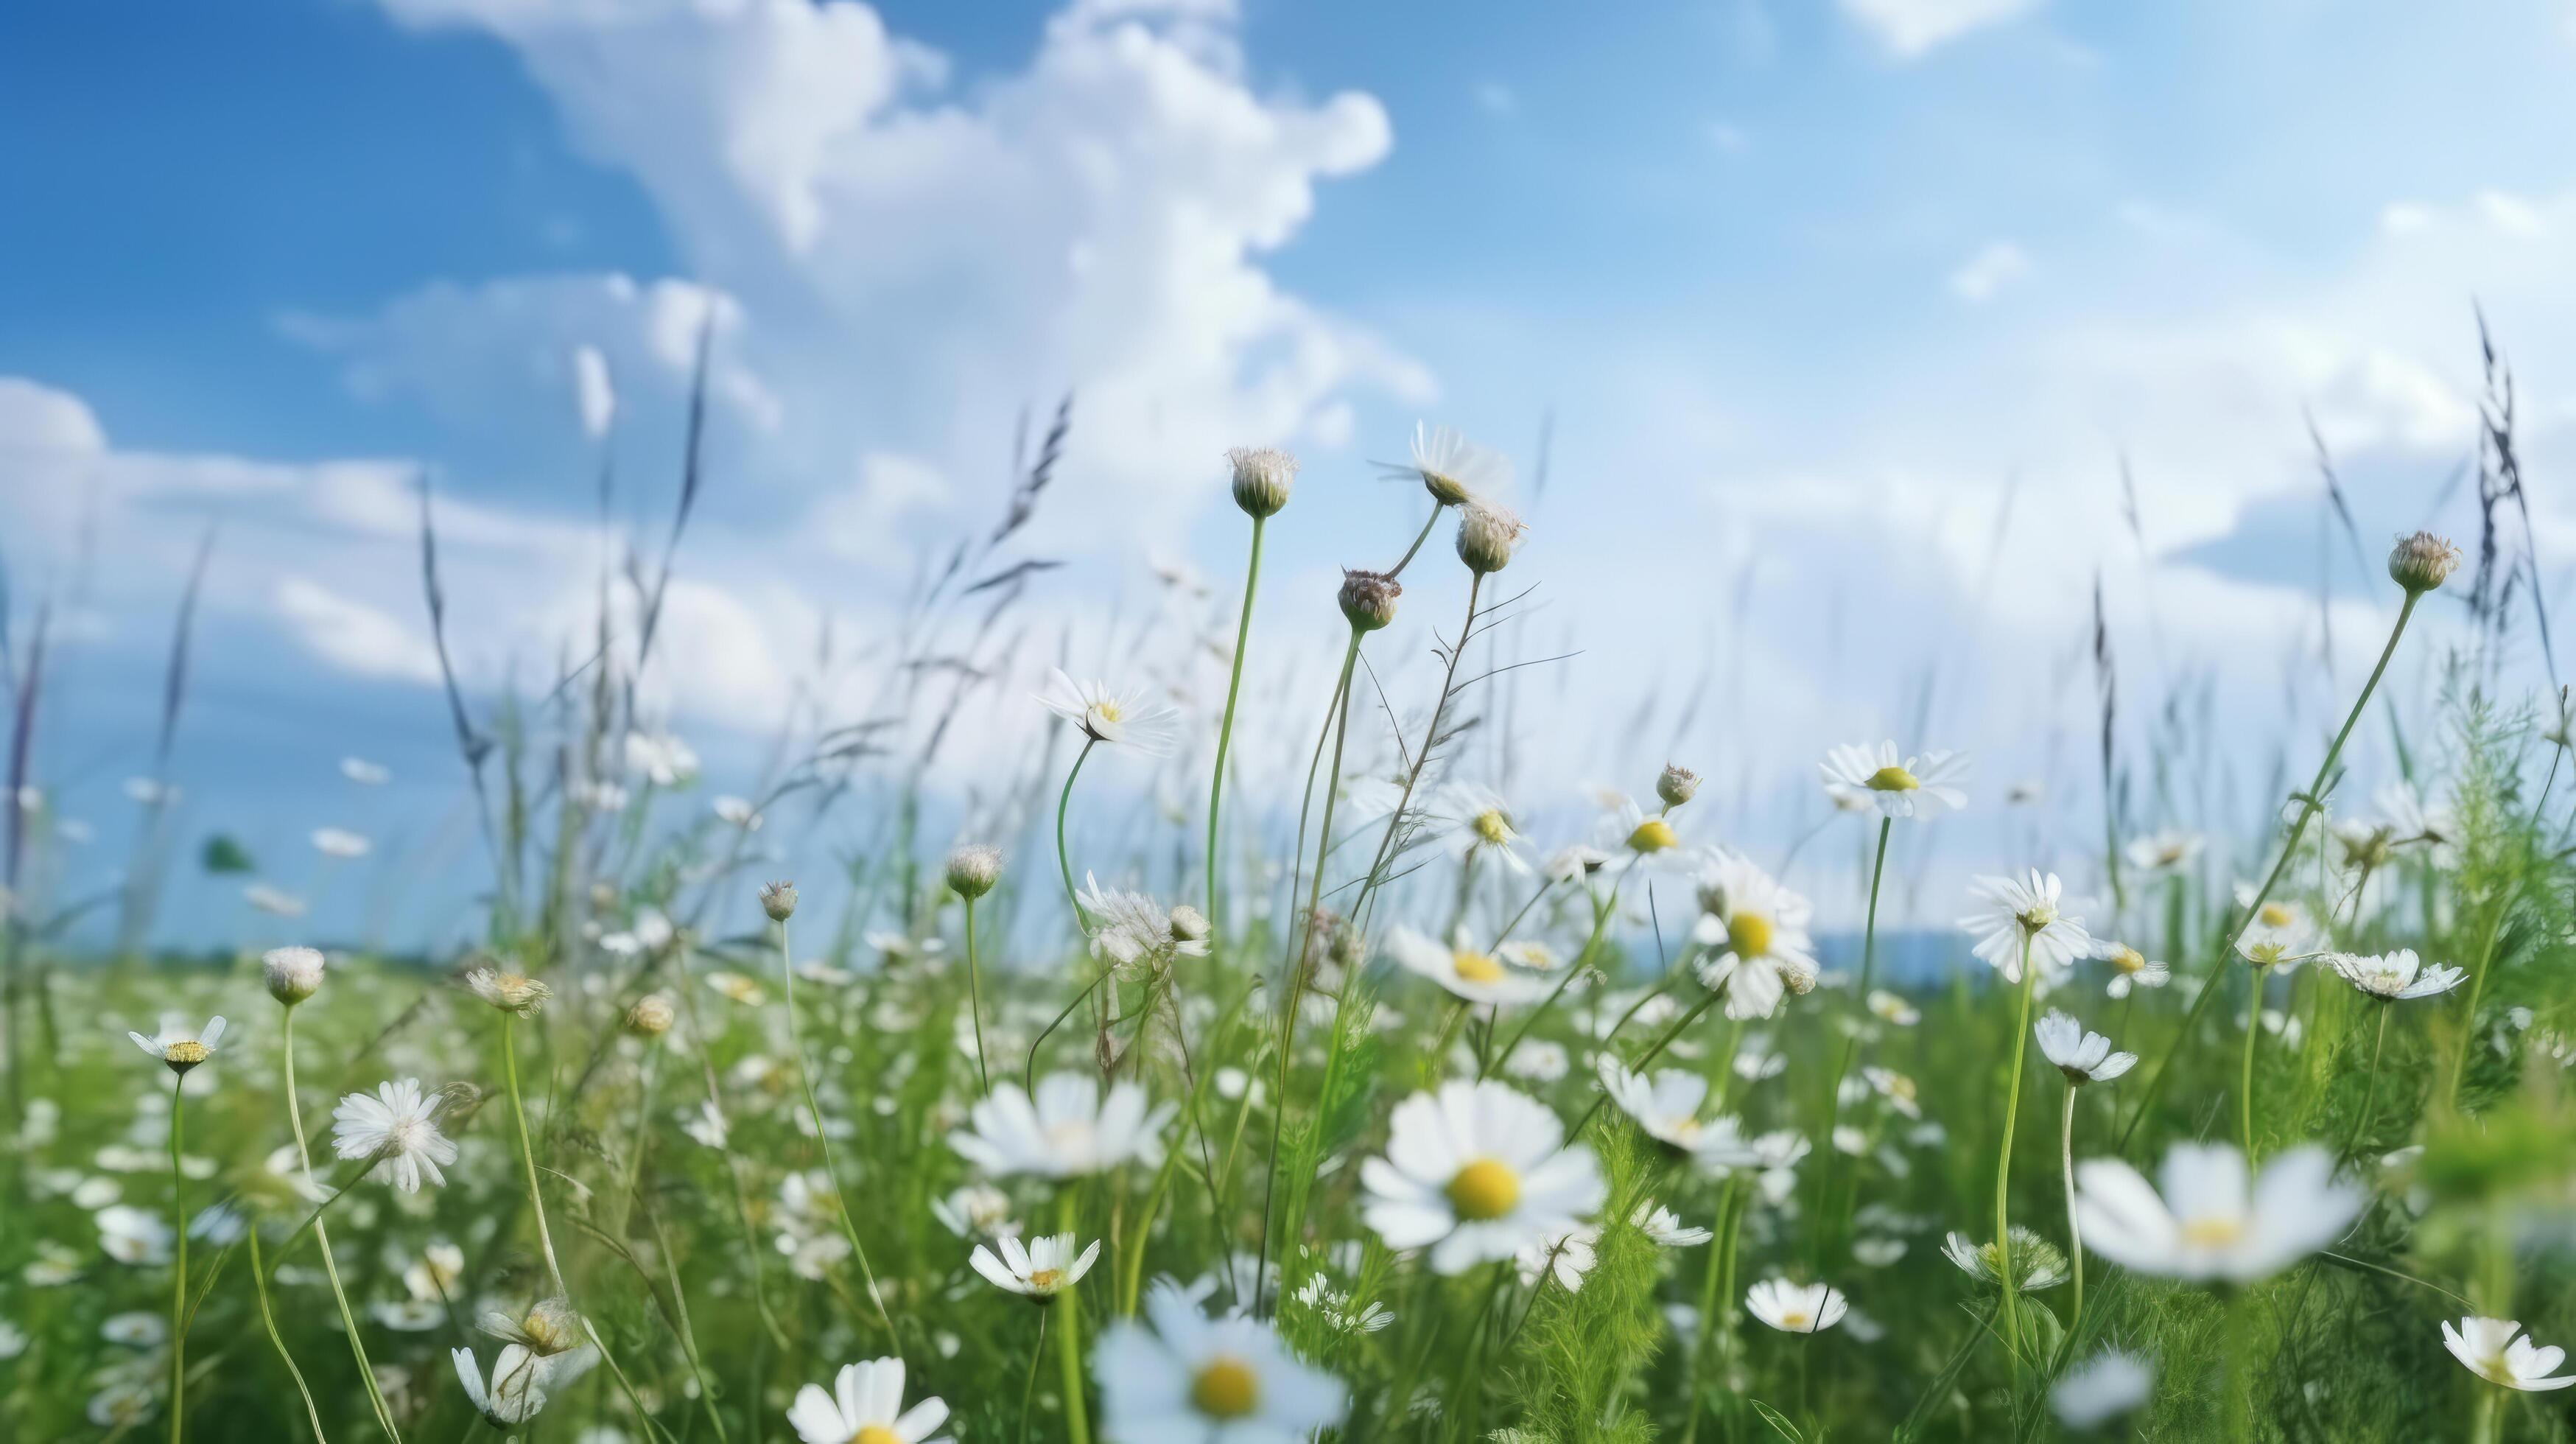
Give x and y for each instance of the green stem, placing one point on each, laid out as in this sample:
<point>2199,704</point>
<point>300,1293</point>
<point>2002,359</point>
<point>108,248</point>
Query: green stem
<point>2006,1268</point>
<point>1653,1051</point>
<point>2240,1367</point>
<point>1601,914</point>
<point>975,1000</point>
<point>1068,1340</point>
<point>1064,863</point>
<point>1419,538</point>
<point>2245,1084</point>
<point>2469,1021</point>
<point>823,1136</point>
<point>2074,1234</point>
<point>2370,1092</point>
<point>322,1241</point>
<point>528,1151</point>
<point>1829,1176</point>
<point>178,1272</point>
<point>1225,728</point>
<point>268,1320</point>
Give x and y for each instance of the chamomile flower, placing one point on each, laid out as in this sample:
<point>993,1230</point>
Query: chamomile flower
<point>517,1390</point>
<point>2036,1263</point>
<point>1477,977</point>
<point>508,991</point>
<point>865,1406</point>
<point>2277,932</point>
<point>1646,837</point>
<point>1896,1089</point>
<point>1666,1108</point>
<point>1893,1009</point>
<point>1575,862</point>
<point>1131,930</point>
<point>738,987</point>
<point>1565,1258</point>
<point>2025,911</point>
<point>2392,976</point>
<point>2102,1388</point>
<point>131,1236</point>
<point>2129,968</point>
<point>1796,1308</point>
<point>1453,469</point>
<point>398,1128</point>
<point>1474,1172</point>
<point>180,1046</point>
<point>2083,1057</point>
<point>976,1208</point>
<point>1482,827</point>
<point>1068,1129</point>
<point>2211,1222</point>
<point>2164,852</point>
<point>1864,778</point>
<point>2496,1351</point>
<point>1190,1379</point>
<point>548,1329</point>
<point>1756,933</point>
<point>1662,1226</point>
<point>1045,1267</point>
<point>1131,718</point>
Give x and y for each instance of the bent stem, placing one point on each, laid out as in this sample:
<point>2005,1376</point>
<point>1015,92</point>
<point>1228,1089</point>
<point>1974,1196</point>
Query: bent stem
<point>823,1136</point>
<point>1068,1340</point>
<point>1063,863</point>
<point>178,1272</point>
<point>322,1241</point>
<point>268,1320</point>
<point>1225,728</point>
<point>2005,1272</point>
<point>2074,1234</point>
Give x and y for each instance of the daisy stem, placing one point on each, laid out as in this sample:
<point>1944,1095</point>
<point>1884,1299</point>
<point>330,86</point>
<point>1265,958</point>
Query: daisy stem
<point>823,1136</point>
<point>1029,1387</point>
<point>1653,1051</point>
<point>2370,1091</point>
<point>528,1151</point>
<point>1063,799</point>
<point>2310,803</point>
<point>1068,1340</point>
<point>1225,728</point>
<point>322,1241</point>
<point>2469,1020</point>
<point>268,1319</point>
<point>1510,927</point>
<point>2074,1235</point>
<point>2006,1270</point>
<point>1829,1177</point>
<point>975,1000</point>
<point>643,1121</point>
<point>1419,538</point>
<point>178,1272</point>
<point>2245,1084</point>
<point>1601,913</point>
<point>2240,1363</point>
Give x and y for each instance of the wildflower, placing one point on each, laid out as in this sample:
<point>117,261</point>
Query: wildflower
<point>2024,914</point>
<point>1339,1310</point>
<point>1757,930</point>
<point>437,1272</point>
<point>1862,778</point>
<point>2412,820</point>
<point>973,868</point>
<point>1662,1226</point>
<point>180,1046</point>
<point>121,1405</point>
<point>1119,719</point>
<point>1891,1008</point>
<point>336,842</point>
<point>130,1236</point>
<point>517,1390</point>
<point>1262,478</point>
<point>975,1208</point>
<point>1190,1379</point>
<point>738,987</point>
<point>652,1016</point>
<point>2102,1388</point>
<point>1453,469</point>
<point>548,1330</point>
<point>736,812</point>
<point>1642,834</point>
<point>1676,785</point>
<point>1575,862</point>
<point>1896,1089</point>
<point>778,899</point>
<point>2036,1263</point>
<point>13,1340</point>
<point>2083,1057</point>
<point>1667,1107</point>
<point>2129,968</point>
<point>1878,1253</point>
<point>508,991</point>
<point>706,1127</point>
<point>1477,977</point>
<point>1129,928</point>
<point>662,758</point>
<point>398,1128</point>
<point>2392,976</point>
<point>2422,562</point>
<point>1045,1267</point>
<point>1367,599</point>
<point>2208,1223</point>
<point>2496,1351</point>
<point>2277,931</point>
<point>1068,1129</point>
<point>1474,1172</point>
<point>293,974</point>
<point>2163,852</point>
<point>1565,1258</point>
<point>1796,1308</point>
<point>1484,827</point>
<point>864,1406</point>
<point>1488,534</point>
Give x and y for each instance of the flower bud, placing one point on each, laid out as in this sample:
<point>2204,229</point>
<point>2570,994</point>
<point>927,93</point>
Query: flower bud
<point>1677,785</point>
<point>778,899</point>
<point>1262,477</point>
<point>973,868</point>
<point>2421,562</point>
<point>1368,598</point>
<point>1189,925</point>
<point>652,1016</point>
<point>294,974</point>
<point>1487,535</point>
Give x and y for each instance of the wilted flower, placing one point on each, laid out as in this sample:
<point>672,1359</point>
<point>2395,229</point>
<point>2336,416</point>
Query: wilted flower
<point>292,974</point>
<point>652,1016</point>
<point>1488,534</point>
<point>508,991</point>
<point>1676,784</point>
<point>2422,562</point>
<point>1367,599</point>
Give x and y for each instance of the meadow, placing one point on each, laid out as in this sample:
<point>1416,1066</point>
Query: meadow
<point>1410,1121</point>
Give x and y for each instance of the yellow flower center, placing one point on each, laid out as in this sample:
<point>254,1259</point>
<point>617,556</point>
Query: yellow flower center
<point>2128,960</point>
<point>1108,711</point>
<point>2274,915</point>
<point>1794,1320</point>
<point>1044,1278</point>
<point>1225,1388</point>
<point>2264,955</point>
<point>1491,826</point>
<point>1898,1086</point>
<point>186,1050</point>
<point>2218,1232</point>
<point>2036,918</point>
<point>1749,933</point>
<point>1891,779</point>
<point>1484,1190</point>
<point>1476,967</point>
<point>1653,835</point>
<point>875,1434</point>
<point>1444,488</point>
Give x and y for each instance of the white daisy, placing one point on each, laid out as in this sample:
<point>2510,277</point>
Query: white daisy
<point>2129,968</point>
<point>1756,934</point>
<point>1893,1009</point>
<point>1190,1379</point>
<point>1474,1172</point>
<point>1129,928</point>
<point>517,1389</point>
<point>1047,1266</point>
<point>1453,469</point>
<point>399,1129</point>
<point>1896,1089</point>
<point>2494,1350</point>
<point>2037,1263</point>
<point>662,758</point>
<point>1667,1109</point>
<point>2164,851</point>
<point>865,1406</point>
<point>2392,976</point>
<point>2083,1057</point>
<point>1575,861</point>
<point>1121,719</point>
<point>2102,1388</point>
<point>1478,977</point>
<point>2209,1223</point>
<point>1482,826</point>
<point>1565,1258</point>
<point>180,1046</point>
<point>1796,1308</point>
<point>1646,837</point>
<point>2019,909</point>
<point>976,1208</point>
<point>2277,932</point>
<point>1662,1226</point>
<point>1862,778</point>
<point>508,991</point>
<point>1067,1130</point>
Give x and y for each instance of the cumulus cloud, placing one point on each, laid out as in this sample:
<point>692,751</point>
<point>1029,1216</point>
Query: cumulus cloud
<point>1911,28</point>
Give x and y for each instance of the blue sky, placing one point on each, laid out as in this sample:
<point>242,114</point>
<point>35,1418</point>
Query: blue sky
<point>1808,289</point>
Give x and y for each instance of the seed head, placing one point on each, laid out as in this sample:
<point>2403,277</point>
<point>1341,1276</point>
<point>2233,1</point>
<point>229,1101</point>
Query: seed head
<point>2422,562</point>
<point>1368,598</point>
<point>1262,477</point>
<point>652,1016</point>
<point>1487,535</point>
<point>293,974</point>
<point>1677,785</point>
<point>778,899</point>
<point>973,868</point>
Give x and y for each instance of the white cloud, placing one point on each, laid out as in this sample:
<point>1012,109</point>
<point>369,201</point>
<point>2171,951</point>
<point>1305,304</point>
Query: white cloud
<point>1989,271</point>
<point>2511,215</point>
<point>354,636</point>
<point>1910,28</point>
